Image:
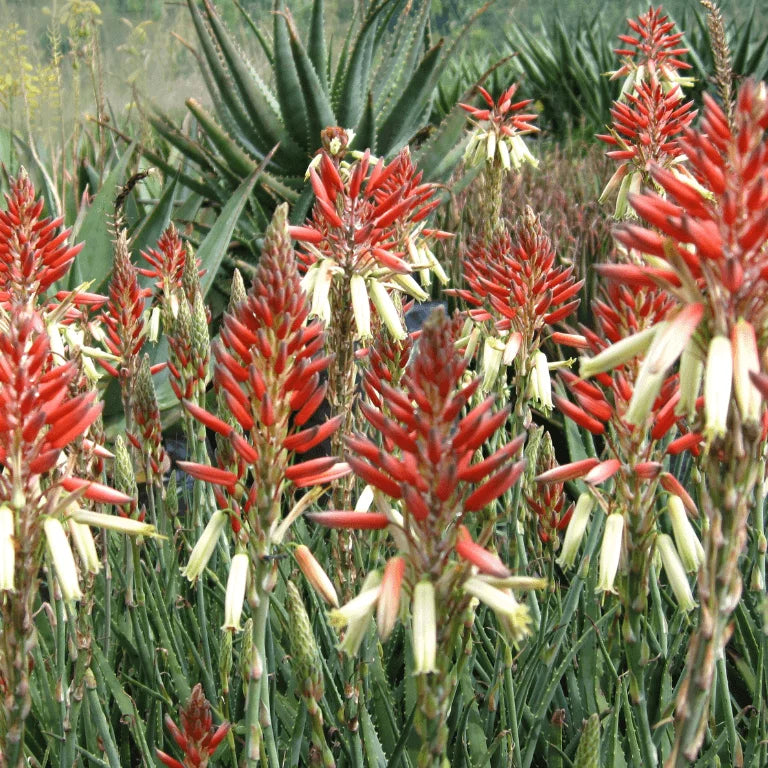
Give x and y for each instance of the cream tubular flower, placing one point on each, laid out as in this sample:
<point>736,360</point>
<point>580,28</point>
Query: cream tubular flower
<point>610,552</point>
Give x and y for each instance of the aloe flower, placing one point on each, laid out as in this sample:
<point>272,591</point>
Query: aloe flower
<point>33,255</point>
<point>40,418</point>
<point>500,126</point>
<point>196,738</point>
<point>706,246</point>
<point>362,223</point>
<point>516,286</point>
<point>644,131</point>
<point>652,49</point>
<point>435,487</point>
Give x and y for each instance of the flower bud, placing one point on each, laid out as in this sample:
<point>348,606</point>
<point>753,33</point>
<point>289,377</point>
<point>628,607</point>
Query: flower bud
<point>315,575</point>
<point>493,352</point>
<point>610,552</point>
<point>512,347</point>
<point>687,542</point>
<point>490,147</point>
<point>574,533</point>
<point>7,548</point>
<point>388,606</point>
<point>85,545</point>
<point>675,572</point>
<point>617,354</point>
<point>543,384</point>
<point>424,629</point>
<point>386,309</point>
<point>718,377</point>
<point>114,523</point>
<point>321,305</point>
<point>63,560</point>
<point>503,150</point>
<point>691,370</point>
<point>206,544</point>
<point>236,583</point>
<point>745,360</point>
<point>361,306</point>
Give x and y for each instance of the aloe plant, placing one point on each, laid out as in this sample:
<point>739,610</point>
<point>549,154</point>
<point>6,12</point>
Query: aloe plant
<point>379,82</point>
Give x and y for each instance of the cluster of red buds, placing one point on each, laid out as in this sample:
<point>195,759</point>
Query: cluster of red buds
<point>268,366</point>
<point>650,113</point>
<point>433,488</point>
<point>515,284</point>
<point>33,254</point>
<point>633,410</point>
<point>652,50</point>
<point>366,237</point>
<point>197,738</point>
<point>500,127</point>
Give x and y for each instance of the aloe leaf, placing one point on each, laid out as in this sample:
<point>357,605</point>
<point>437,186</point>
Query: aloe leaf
<point>237,160</point>
<point>355,84</point>
<point>402,122</point>
<point>220,75</point>
<point>266,123</point>
<point>94,262</point>
<point>316,47</point>
<point>263,42</point>
<point>192,150</point>
<point>319,112</point>
<point>212,249</point>
<point>365,132</point>
<point>289,91</point>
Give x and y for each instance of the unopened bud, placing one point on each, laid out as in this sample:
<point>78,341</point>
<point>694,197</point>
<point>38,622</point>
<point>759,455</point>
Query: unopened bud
<point>236,583</point>
<point>315,575</point>
<point>63,561</point>
<point>691,371</point>
<point>361,306</point>
<point>493,352</point>
<point>617,354</point>
<point>610,552</point>
<point>206,544</point>
<point>386,309</point>
<point>424,629</point>
<point>717,387</point>
<point>543,383</point>
<point>686,540</point>
<point>675,572</point>
<point>388,607</point>
<point>574,533</point>
<point>745,361</point>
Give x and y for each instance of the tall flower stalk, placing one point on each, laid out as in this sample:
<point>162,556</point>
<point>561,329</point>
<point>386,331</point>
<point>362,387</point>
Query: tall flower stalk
<point>708,249</point>
<point>268,365</point>
<point>44,412</point>
<point>433,488</point>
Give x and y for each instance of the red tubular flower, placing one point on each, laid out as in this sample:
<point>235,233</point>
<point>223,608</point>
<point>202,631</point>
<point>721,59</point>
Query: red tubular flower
<point>268,375</point>
<point>367,222</point>
<point>32,254</point>
<point>196,738</point>
<point>38,415</point>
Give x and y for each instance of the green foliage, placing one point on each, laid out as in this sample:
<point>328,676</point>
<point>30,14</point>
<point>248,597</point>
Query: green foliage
<point>378,81</point>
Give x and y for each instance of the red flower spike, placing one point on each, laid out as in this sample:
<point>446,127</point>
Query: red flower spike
<point>196,738</point>
<point>32,255</point>
<point>654,46</point>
